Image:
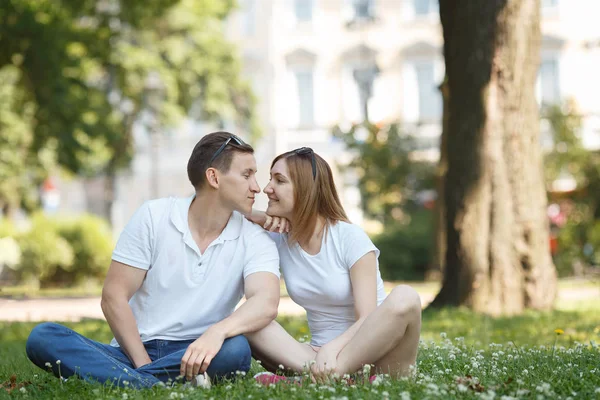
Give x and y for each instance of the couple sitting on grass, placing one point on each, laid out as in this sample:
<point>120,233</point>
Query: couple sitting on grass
<point>181,266</point>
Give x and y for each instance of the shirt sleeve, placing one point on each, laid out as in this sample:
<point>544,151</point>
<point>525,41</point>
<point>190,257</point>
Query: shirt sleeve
<point>262,255</point>
<point>355,244</point>
<point>134,247</point>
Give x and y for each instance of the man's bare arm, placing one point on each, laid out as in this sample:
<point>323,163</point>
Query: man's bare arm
<point>122,281</point>
<point>259,309</point>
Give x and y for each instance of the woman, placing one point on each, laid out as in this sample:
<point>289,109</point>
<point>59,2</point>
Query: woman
<point>331,269</point>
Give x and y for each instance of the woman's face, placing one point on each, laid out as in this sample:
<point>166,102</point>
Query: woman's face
<point>280,191</point>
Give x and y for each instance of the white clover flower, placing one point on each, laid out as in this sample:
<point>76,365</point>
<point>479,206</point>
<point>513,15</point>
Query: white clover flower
<point>405,395</point>
<point>48,364</point>
<point>462,388</point>
<point>125,396</point>
<point>23,390</point>
<point>281,366</point>
<point>57,362</point>
<point>443,335</point>
<point>125,370</point>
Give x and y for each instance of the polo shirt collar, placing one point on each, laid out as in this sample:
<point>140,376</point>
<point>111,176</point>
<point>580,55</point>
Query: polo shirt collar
<point>179,218</point>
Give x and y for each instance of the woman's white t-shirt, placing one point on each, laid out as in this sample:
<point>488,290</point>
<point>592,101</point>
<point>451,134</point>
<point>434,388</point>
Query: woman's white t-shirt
<point>321,283</point>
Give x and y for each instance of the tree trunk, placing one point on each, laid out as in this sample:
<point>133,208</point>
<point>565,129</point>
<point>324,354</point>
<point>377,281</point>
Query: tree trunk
<point>497,241</point>
<point>440,211</point>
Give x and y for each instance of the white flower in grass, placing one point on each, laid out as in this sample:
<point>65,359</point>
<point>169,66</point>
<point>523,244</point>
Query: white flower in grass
<point>57,362</point>
<point>597,390</point>
<point>48,364</point>
<point>377,381</point>
<point>405,396</point>
<point>366,369</point>
<point>228,387</point>
<point>462,388</point>
<point>443,335</point>
<point>23,390</point>
<point>281,367</point>
<point>125,396</point>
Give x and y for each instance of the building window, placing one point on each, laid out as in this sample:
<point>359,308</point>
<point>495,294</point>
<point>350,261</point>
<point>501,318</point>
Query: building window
<point>249,12</point>
<point>362,9</point>
<point>303,9</point>
<point>430,101</point>
<point>304,81</point>
<point>425,7</point>
<point>548,76</point>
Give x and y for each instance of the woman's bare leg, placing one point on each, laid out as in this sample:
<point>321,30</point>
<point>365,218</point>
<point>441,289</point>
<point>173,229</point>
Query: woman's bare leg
<point>273,346</point>
<point>388,338</point>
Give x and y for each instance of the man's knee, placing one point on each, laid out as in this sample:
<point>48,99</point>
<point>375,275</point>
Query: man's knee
<point>40,340</point>
<point>236,350</point>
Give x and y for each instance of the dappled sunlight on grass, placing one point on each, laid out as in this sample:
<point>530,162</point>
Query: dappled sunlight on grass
<point>461,355</point>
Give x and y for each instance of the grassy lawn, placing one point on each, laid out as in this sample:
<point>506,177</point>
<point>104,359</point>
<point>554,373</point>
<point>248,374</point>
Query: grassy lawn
<point>462,355</point>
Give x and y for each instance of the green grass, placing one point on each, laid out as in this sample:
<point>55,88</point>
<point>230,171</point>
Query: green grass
<point>462,355</point>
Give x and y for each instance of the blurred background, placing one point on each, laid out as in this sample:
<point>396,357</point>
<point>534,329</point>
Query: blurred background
<point>102,101</point>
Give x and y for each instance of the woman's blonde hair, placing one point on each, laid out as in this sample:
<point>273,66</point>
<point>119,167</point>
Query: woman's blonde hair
<point>314,193</point>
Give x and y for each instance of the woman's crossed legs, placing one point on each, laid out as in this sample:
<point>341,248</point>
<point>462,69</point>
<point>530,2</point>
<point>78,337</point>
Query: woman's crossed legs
<point>389,339</point>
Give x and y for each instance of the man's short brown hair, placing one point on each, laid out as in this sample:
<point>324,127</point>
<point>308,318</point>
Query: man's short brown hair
<point>205,149</point>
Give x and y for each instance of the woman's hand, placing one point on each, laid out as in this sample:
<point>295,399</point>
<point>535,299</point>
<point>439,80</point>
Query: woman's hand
<point>276,224</point>
<point>325,366</point>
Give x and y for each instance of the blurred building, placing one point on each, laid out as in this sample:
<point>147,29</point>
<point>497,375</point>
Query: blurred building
<point>317,63</point>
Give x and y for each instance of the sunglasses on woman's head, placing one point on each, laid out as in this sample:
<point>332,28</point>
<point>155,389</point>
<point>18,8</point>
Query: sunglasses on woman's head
<point>307,150</point>
<point>220,149</point>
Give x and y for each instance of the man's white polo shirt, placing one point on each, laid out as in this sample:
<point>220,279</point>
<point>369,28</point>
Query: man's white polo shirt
<point>186,291</point>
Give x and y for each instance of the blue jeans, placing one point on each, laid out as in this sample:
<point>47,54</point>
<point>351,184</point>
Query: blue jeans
<point>98,362</point>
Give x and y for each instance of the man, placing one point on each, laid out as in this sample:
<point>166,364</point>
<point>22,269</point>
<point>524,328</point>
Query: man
<point>178,270</point>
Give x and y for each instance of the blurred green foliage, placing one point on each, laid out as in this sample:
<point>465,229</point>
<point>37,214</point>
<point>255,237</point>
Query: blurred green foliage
<point>388,176</point>
<point>389,180</point>
<point>406,248</point>
<point>61,251</point>
<point>74,78</point>
<point>579,237</point>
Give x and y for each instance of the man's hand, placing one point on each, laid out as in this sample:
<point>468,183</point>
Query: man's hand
<point>199,354</point>
<point>325,366</point>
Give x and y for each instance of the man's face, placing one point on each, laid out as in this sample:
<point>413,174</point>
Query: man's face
<point>238,186</point>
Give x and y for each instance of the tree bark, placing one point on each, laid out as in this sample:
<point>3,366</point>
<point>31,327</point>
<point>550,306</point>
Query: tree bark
<point>497,241</point>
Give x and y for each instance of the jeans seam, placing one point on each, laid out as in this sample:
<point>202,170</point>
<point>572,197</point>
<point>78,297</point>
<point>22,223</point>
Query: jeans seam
<point>112,360</point>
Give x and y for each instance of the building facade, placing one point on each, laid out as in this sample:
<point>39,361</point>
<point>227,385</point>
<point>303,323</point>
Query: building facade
<point>314,64</point>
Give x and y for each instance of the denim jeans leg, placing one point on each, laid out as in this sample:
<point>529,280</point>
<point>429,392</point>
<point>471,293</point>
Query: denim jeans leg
<point>83,357</point>
<point>233,356</point>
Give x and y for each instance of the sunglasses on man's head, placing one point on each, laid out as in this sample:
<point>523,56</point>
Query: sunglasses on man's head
<point>307,150</point>
<point>220,150</point>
